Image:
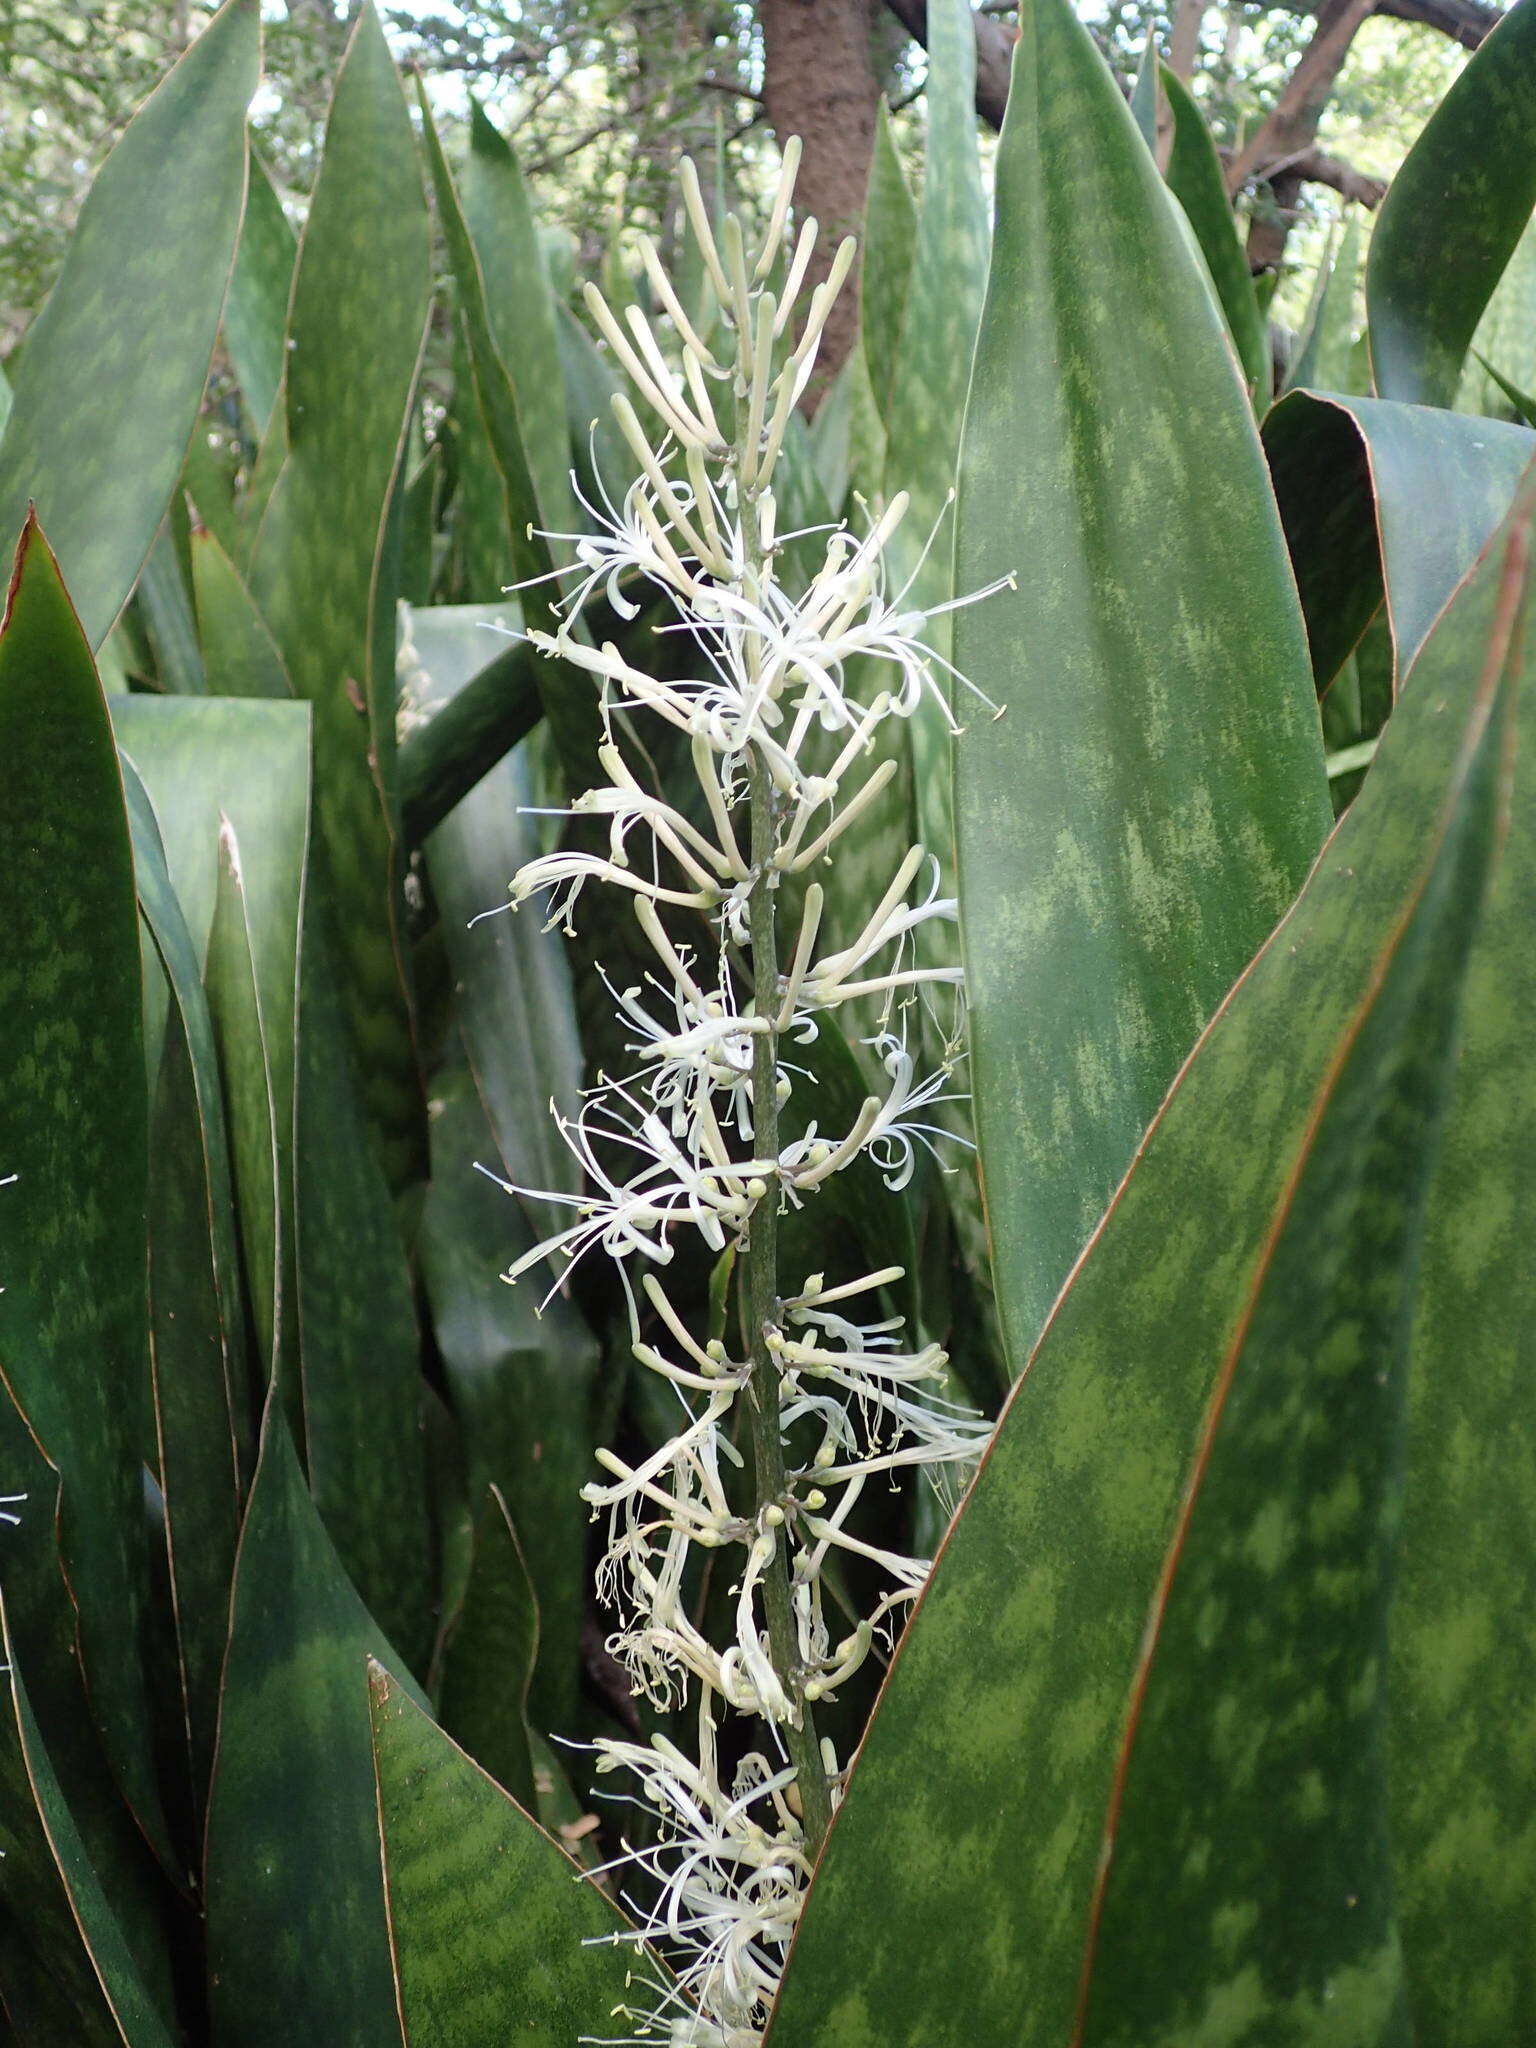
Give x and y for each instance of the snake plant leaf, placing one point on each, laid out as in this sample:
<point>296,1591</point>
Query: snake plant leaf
<point>256,311</point>
<point>200,1382</point>
<point>1322,362</point>
<point>1352,477</point>
<point>1452,217</point>
<point>570,703</point>
<point>521,307</point>
<point>490,1651</point>
<point>929,381</point>
<point>441,762</point>
<point>521,1383</point>
<point>515,1009</point>
<point>357,1337</point>
<point>240,655</point>
<point>1195,179</point>
<point>205,761</point>
<point>292,1857</point>
<point>1463,1755</point>
<point>603,460</point>
<point>66,1971</point>
<point>321,571</point>
<point>1522,401</point>
<point>108,389</point>
<point>248,1060</point>
<point>1151,794</point>
<point>1144,92</point>
<point>169,626</point>
<point>74,1130</point>
<point>1181,1536</point>
<point>493,1937</point>
<point>889,246</point>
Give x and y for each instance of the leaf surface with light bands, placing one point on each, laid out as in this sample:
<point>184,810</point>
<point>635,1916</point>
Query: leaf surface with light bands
<point>1452,216</point>
<point>1195,179</point>
<point>321,572</point>
<point>489,1926</point>
<point>570,700</point>
<point>1153,791</point>
<point>297,1945</point>
<point>1463,1756</point>
<point>1353,477</point>
<point>200,1379</point>
<point>886,252</point>
<point>65,1969</point>
<point>256,311</point>
<point>490,1652</point>
<point>112,375</point>
<point>240,654</point>
<point>1209,1435</point>
<point>74,1130</point>
<point>499,216</point>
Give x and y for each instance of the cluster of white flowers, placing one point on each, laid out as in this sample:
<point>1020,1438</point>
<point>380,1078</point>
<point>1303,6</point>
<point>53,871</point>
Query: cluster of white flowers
<point>783,700</point>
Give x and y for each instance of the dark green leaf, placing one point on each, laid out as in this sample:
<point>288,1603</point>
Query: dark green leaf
<point>1133,823</point>
<point>1463,1758</point>
<point>1144,93</point>
<point>1452,216</point>
<point>493,1937</point>
<point>1353,476</point>
<point>241,655</point>
<point>66,1972</point>
<point>470,732</point>
<point>74,1132</point>
<point>570,701</point>
<point>168,622</point>
<point>256,311</point>
<point>113,372</point>
<point>1196,180</point>
<point>889,243</point>
<point>198,1345</point>
<point>521,308</point>
<point>320,572</point>
<point>521,1383</point>
<point>1523,403</point>
<point>489,1658</point>
<point>1154,1643</point>
<point>297,1946</point>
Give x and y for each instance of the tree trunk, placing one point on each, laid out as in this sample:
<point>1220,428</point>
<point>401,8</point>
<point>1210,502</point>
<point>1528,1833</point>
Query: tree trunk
<point>819,83</point>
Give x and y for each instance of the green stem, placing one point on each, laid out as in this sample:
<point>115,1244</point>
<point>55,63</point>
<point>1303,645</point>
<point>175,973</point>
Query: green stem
<point>762,1284</point>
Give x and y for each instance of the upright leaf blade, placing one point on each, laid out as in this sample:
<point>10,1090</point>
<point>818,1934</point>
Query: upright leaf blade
<point>113,372</point>
<point>1195,178</point>
<point>885,278</point>
<point>493,1936</point>
<point>74,1131</point>
<point>292,1858</point>
<point>256,312</point>
<point>321,569</point>
<point>1452,217</point>
<point>1185,1334</point>
<point>1144,807</point>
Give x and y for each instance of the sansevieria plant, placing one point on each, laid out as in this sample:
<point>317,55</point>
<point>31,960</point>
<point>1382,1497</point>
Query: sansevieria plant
<point>968,952</point>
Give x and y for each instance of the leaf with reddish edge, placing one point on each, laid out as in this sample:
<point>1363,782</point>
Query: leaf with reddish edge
<point>1157,1833</point>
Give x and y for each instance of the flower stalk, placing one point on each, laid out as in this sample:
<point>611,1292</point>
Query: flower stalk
<point>777,727</point>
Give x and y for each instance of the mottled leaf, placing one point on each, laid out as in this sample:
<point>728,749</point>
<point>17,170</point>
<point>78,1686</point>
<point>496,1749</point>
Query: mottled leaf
<point>888,249</point>
<point>1132,1744</point>
<point>1452,216</point>
<point>320,573</point>
<point>112,376</point>
<point>489,1656</point>
<point>256,311</point>
<point>74,1132</point>
<point>1196,180</point>
<point>297,1946</point>
<point>493,1937</point>
<point>1141,811</point>
<point>240,654</point>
